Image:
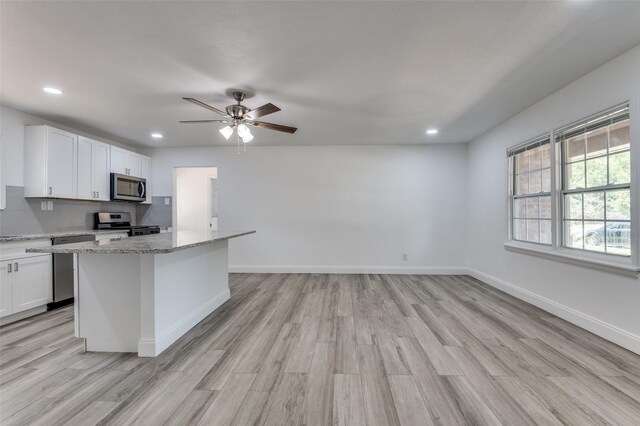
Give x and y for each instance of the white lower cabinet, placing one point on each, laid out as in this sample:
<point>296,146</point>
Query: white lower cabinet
<point>6,289</point>
<point>32,282</point>
<point>26,280</point>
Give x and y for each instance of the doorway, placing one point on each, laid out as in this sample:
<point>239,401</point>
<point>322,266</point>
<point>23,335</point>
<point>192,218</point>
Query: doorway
<point>195,194</point>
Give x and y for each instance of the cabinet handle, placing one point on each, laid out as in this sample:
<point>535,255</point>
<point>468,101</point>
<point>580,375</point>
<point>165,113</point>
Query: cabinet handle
<point>98,194</point>
<point>50,190</point>
<point>15,267</point>
<point>9,268</point>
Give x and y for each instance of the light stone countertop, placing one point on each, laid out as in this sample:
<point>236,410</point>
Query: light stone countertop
<point>146,244</point>
<point>49,235</point>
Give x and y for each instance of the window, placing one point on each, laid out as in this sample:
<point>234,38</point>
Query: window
<point>596,184</point>
<point>530,178</point>
<point>570,192</point>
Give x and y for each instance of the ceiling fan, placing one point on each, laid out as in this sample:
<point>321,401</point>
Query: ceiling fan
<point>238,117</point>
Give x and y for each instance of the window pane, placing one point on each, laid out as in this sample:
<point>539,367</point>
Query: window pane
<point>533,231</point>
<point>546,157</point>
<point>535,158</point>
<point>545,231</point>
<point>522,162</point>
<point>594,236</point>
<point>573,234</point>
<point>594,205</point>
<point>619,205</point>
<point>519,208</point>
<point>546,180</point>
<point>619,238</point>
<point>520,230</point>
<point>619,136</point>
<point>575,148</point>
<point>573,206</point>
<point>620,168</point>
<point>575,175</point>
<point>535,182</point>
<point>596,172</point>
<point>597,142</point>
<point>545,207</point>
<point>532,207</point>
<point>522,184</point>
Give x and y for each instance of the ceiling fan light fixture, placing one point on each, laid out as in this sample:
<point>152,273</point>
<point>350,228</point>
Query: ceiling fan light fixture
<point>243,131</point>
<point>226,132</point>
<point>247,138</point>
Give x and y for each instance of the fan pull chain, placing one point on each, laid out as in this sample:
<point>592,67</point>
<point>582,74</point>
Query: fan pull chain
<point>238,139</point>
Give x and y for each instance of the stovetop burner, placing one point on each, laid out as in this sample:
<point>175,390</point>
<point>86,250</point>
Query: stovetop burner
<point>122,221</point>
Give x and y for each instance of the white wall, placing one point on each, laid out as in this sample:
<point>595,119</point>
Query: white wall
<point>192,197</point>
<point>336,208</point>
<point>606,304</point>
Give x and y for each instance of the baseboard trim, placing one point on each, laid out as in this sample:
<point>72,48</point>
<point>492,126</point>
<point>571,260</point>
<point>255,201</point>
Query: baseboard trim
<point>328,269</point>
<point>607,331</point>
<point>153,347</point>
<point>23,315</point>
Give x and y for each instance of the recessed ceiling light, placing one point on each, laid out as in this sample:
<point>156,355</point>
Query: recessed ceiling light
<point>156,135</point>
<point>432,131</point>
<point>52,90</point>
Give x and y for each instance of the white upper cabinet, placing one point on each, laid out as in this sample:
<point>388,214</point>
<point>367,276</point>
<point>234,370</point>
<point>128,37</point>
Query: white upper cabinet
<point>50,163</point>
<point>93,169</point>
<point>117,160</point>
<point>132,163</point>
<point>145,172</point>
<point>126,162</point>
<point>59,164</point>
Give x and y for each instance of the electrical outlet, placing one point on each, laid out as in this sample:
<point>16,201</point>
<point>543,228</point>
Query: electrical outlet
<point>43,205</point>
<point>405,257</point>
<point>167,201</point>
<point>49,205</point>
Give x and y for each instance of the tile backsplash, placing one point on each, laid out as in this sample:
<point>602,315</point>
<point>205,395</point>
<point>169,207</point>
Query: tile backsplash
<point>24,216</point>
<point>157,213</point>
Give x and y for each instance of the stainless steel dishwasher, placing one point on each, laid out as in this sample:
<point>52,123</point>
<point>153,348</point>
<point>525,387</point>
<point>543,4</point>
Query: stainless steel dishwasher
<point>63,272</point>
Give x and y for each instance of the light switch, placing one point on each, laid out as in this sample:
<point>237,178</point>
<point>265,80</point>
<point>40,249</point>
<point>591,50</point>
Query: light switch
<point>43,205</point>
<point>50,205</point>
<point>167,201</point>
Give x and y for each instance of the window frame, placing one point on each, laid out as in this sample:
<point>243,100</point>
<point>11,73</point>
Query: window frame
<point>619,264</point>
<point>564,190</point>
<point>511,154</point>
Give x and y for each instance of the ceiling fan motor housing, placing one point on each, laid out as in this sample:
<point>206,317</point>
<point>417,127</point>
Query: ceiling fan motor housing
<point>237,111</point>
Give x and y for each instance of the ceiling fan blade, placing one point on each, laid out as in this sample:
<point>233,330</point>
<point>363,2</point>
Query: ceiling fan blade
<point>262,110</point>
<point>271,126</point>
<point>203,105</point>
<point>204,121</point>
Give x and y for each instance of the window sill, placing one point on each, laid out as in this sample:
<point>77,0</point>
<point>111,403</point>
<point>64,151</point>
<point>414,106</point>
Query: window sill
<point>620,268</point>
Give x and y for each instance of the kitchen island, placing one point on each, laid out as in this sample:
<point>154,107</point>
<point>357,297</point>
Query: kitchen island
<point>141,294</point>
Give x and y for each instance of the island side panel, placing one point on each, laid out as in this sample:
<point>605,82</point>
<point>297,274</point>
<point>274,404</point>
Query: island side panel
<point>185,286</point>
<point>109,301</point>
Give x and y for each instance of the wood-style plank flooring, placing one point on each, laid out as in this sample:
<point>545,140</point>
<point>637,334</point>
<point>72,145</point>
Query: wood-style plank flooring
<point>299,349</point>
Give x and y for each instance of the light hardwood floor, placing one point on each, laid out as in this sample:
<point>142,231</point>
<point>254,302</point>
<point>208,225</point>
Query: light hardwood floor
<point>331,349</point>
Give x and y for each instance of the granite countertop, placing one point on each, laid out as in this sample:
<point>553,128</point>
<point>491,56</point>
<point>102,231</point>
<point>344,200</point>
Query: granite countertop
<point>49,235</point>
<point>146,244</point>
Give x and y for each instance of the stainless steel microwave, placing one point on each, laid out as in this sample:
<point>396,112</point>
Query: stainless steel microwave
<point>128,188</point>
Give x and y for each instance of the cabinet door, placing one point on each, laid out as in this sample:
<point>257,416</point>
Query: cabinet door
<point>32,282</point>
<point>117,160</point>
<point>132,163</point>
<point>85,168</point>
<point>100,168</point>
<point>61,163</point>
<point>6,290</point>
<point>145,172</point>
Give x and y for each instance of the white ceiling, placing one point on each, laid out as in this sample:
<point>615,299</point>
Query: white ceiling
<point>342,72</point>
